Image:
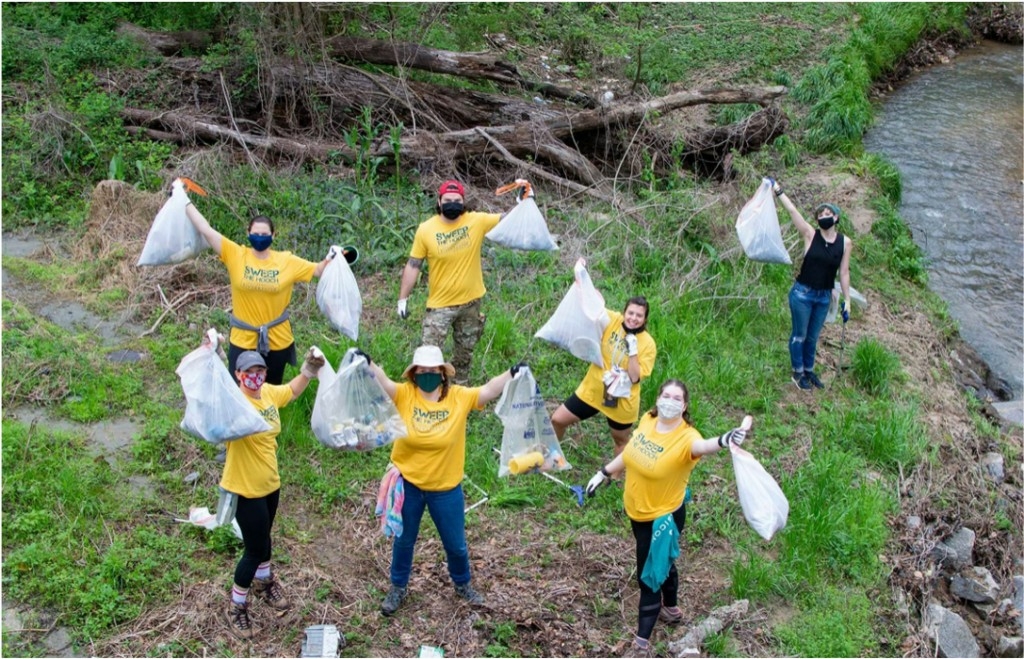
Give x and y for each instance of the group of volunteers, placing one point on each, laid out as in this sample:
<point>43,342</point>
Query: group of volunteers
<point>656,451</point>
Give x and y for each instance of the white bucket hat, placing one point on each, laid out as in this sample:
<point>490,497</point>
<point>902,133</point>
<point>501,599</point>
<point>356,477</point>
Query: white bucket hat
<point>430,357</point>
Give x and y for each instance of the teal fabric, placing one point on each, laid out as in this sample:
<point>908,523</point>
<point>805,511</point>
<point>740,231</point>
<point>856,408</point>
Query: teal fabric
<point>664,550</point>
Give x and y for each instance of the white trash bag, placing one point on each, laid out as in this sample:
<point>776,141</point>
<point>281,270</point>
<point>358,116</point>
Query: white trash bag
<point>215,408</point>
<point>528,441</point>
<point>617,382</point>
<point>337,295</point>
<point>764,505</point>
<point>172,238</point>
<point>833,306</point>
<point>523,228</point>
<point>579,321</point>
<point>352,411</point>
<point>758,228</point>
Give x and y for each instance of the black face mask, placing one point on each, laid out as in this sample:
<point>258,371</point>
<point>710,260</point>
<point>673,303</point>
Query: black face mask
<point>826,222</point>
<point>452,209</point>
<point>638,330</point>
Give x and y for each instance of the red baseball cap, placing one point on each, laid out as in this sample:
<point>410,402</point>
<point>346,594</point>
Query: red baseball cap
<point>451,186</point>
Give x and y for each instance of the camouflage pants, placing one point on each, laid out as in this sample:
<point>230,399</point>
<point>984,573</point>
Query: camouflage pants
<point>467,325</point>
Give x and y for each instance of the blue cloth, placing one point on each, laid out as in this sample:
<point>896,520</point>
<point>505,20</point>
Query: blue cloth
<point>448,510</point>
<point>809,307</point>
<point>664,551</point>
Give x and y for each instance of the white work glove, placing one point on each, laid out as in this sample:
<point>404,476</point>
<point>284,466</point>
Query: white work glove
<point>332,253</point>
<point>599,478</point>
<point>312,363</point>
<point>631,346</point>
<point>403,311</point>
<point>525,189</point>
<point>215,339</point>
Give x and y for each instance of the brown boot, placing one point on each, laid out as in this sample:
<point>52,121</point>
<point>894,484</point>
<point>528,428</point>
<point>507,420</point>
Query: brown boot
<point>238,621</point>
<point>269,590</point>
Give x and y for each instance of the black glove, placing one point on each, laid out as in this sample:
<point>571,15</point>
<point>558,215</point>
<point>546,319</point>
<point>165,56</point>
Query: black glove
<point>776,187</point>
<point>515,369</point>
<point>360,353</point>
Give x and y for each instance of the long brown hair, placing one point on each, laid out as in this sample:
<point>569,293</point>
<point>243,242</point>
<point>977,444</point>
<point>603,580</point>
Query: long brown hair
<point>672,382</point>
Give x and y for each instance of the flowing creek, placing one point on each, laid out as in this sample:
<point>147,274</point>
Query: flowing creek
<point>956,133</point>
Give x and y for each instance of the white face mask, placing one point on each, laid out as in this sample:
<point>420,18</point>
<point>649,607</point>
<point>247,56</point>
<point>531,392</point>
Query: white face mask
<point>669,408</point>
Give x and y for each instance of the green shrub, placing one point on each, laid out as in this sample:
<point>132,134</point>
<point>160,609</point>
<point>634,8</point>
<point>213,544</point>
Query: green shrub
<point>874,367</point>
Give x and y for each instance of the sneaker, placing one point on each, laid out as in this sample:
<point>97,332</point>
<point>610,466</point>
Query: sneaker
<point>238,621</point>
<point>670,614</point>
<point>814,379</point>
<point>393,600</point>
<point>800,380</point>
<point>468,593</point>
<point>269,590</point>
<point>640,647</point>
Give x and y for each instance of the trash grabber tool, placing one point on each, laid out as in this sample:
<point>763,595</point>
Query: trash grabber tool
<point>577,490</point>
<point>479,489</point>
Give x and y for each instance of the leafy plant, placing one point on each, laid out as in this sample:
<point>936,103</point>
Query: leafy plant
<point>874,367</point>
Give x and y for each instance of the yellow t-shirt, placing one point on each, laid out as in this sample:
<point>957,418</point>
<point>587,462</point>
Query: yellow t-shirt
<point>433,456</point>
<point>613,353</point>
<point>452,251</point>
<point>658,468</point>
<point>250,468</point>
<point>261,291</point>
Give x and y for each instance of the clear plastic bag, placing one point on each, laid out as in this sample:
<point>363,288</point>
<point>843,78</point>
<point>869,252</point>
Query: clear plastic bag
<point>352,411</point>
<point>833,306</point>
<point>337,295</point>
<point>215,408</point>
<point>758,228</point>
<point>172,238</point>
<point>523,228</point>
<point>579,321</point>
<point>617,383</point>
<point>528,441</point>
<point>764,505</point>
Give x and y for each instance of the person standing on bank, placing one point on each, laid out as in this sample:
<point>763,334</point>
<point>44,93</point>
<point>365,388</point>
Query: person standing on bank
<point>262,280</point>
<point>658,461</point>
<point>826,252</point>
<point>250,473</point>
<point>431,462</point>
<point>626,345</point>
<point>451,242</point>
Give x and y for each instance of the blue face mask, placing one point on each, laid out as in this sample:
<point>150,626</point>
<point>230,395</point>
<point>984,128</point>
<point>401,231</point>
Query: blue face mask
<point>428,382</point>
<point>260,241</point>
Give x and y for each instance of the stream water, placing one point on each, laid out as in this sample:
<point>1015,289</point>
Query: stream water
<point>956,133</point>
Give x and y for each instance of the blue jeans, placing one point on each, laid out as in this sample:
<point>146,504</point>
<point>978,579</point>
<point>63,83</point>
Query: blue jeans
<point>808,306</point>
<point>448,510</point>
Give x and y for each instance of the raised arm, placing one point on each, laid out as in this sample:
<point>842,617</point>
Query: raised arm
<point>211,235</point>
<point>716,444</point>
<point>390,388</point>
<point>496,385</point>
<point>805,229</point>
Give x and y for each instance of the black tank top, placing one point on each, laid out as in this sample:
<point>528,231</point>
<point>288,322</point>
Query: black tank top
<point>821,263</point>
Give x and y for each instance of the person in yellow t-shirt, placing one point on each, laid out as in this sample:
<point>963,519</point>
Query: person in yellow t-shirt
<point>627,349</point>
<point>262,280</point>
<point>431,461</point>
<point>658,460</point>
<point>250,475</point>
<point>451,242</point>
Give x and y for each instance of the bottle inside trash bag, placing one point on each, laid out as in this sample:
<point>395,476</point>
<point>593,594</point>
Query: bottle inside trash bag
<point>227,504</point>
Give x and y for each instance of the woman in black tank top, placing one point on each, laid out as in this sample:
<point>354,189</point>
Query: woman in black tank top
<point>826,253</point>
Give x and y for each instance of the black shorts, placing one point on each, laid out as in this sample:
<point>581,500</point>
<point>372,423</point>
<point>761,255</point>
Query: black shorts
<point>584,412</point>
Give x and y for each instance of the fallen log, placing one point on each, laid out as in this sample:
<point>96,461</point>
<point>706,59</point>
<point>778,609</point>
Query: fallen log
<point>475,66</point>
<point>689,644</point>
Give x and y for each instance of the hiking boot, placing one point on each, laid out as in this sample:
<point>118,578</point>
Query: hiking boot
<point>640,647</point>
<point>670,614</point>
<point>393,600</point>
<point>800,380</point>
<point>468,593</point>
<point>238,621</point>
<point>269,590</point>
<point>813,379</point>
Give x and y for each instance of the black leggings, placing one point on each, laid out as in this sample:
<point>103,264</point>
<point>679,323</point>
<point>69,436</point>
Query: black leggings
<point>276,359</point>
<point>255,518</point>
<point>651,600</point>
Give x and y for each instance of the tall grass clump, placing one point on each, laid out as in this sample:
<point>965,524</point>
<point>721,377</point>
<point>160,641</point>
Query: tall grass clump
<point>905,258</point>
<point>875,368</point>
<point>837,91</point>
